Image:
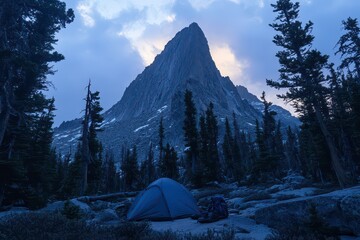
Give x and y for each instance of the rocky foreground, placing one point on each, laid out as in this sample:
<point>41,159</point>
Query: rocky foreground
<point>255,212</point>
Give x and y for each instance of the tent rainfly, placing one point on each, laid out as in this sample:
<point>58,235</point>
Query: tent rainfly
<point>163,199</point>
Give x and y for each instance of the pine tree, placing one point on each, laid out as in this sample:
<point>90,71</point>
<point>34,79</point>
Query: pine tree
<point>168,166</point>
<point>27,37</point>
<point>73,178</point>
<point>314,153</point>
<point>349,50</point>
<point>61,167</point>
<point>227,147</point>
<point>241,151</point>
<point>148,169</point>
<point>91,148</point>
<point>269,143</point>
<point>291,151</point>
<point>150,166</point>
<point>203,152</point>
<point>95,146</point>
<point>109,174</point>
<point>340,114</point>
<point>130,169</point>
<point>260,164</point>
<point>349,47</point>
<point>212,166</point>
<point>278,150</point>
<point>233,152</point>
<point>191,136</point>
<point>302,74</point>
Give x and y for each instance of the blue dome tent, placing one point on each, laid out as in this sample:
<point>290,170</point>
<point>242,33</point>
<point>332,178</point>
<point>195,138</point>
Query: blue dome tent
<point>163,199</point>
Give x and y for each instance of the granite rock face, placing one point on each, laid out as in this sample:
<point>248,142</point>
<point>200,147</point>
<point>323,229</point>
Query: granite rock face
<point>185,63</point>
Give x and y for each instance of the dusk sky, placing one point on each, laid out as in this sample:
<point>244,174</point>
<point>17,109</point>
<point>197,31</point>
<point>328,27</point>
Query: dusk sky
<point>111,42</point>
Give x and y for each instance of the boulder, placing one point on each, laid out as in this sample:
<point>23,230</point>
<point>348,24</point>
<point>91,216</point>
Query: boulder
<point>105,216</point>
<point>340,209</point>
<point>350,206</point>
<point>83,206</point>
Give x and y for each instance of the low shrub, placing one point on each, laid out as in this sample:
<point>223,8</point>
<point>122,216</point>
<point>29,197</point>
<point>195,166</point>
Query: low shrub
<point>34,226</point>
<point>43,226</point>
<point>298,232</point>
<point>211,235</point>
<point>313,228</point>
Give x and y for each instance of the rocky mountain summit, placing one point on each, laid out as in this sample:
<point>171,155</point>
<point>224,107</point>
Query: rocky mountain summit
<point>185,63</point>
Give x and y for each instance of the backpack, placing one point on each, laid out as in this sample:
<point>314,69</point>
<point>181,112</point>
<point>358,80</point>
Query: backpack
<point>218,207</point>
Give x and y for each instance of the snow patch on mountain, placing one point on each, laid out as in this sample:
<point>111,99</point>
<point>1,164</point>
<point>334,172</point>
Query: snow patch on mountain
<point>142,127</point>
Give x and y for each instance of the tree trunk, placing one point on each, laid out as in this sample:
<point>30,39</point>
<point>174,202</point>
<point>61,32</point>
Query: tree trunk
<point>6,96</point>
<point>335,156</point>
<point>85,151</point>
<point>4,119</point>
<point>107,196</point>
<point>2,194</point>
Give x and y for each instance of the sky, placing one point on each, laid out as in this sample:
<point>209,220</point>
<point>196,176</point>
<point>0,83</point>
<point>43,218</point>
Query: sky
<point>112,41</point>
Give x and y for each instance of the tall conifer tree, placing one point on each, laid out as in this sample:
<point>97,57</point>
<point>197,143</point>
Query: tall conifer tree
<point>302,74</point>
<point>191,136</point>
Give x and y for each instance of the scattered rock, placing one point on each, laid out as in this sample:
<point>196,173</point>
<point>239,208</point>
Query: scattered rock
<point>233,211</point>
<point>241,192</point>
<point>295,181</point>
<point>99,205</point>
<point>235,203</point>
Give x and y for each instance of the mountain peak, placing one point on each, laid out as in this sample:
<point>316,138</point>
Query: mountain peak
<point>190,36</point>
<point>194,27</point>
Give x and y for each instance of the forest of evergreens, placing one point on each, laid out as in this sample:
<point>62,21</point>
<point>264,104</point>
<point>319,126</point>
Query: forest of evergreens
<point>326,97</point>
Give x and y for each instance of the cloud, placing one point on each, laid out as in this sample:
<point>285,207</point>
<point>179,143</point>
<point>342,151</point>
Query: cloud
<point>111,9</point>
<point>147,47</point>
<point>200,4</point>
<point>203,4</point>
<point>144,15</point>
<point>85,10</point>
<point>227,62</point>
<point>153,12</point>
<point>248,3</point>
